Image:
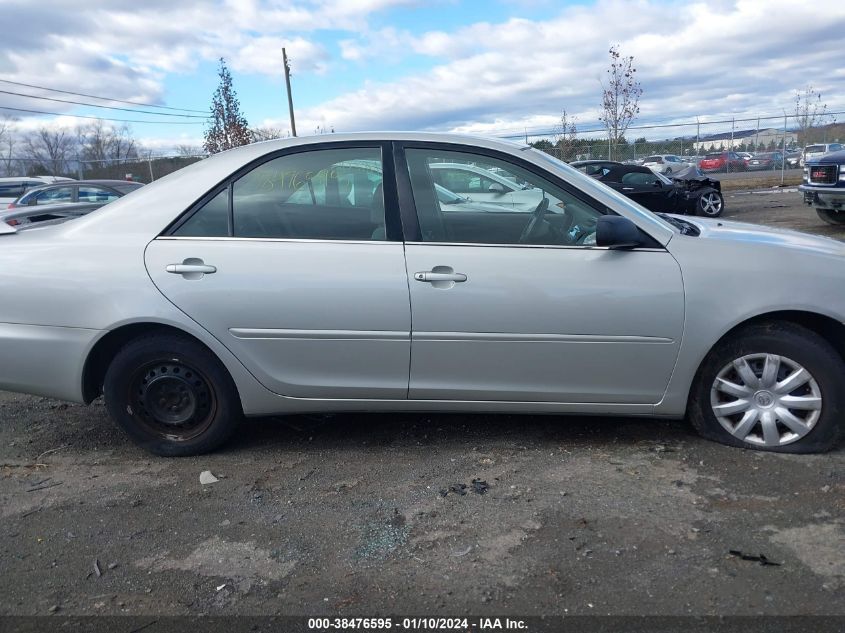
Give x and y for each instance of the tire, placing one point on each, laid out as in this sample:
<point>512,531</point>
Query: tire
<point>172,396</point>
<point>818,402</point>
<point>831,216</point>
<point>710,204</point>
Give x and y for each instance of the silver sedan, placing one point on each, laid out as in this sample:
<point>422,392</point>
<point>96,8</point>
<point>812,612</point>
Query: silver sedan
<point>280,278</point>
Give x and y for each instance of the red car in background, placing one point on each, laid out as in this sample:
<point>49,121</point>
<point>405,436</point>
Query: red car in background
<point>722,161</point>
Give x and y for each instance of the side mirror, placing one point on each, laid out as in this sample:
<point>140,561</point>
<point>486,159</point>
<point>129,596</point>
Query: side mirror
<point>617,232</point>
<point>496,187</point>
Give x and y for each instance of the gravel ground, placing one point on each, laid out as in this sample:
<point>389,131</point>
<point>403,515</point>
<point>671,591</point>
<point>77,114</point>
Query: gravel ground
<point>419,514</point>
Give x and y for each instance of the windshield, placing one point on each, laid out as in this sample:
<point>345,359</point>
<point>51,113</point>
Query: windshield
<point>814,149</point>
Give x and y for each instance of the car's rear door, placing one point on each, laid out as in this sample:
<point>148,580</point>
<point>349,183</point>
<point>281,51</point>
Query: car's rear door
<point>294,265</point>
<point>507,310</point>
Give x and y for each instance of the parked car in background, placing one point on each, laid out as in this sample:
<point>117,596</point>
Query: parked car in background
<point>46,214</point>
<point>746,156</point>
<point>766,160</point>
<point>820,149</point>
<point>13,188</point>
<point>823,186</point>
<point>76,191</point>
<point>793,158</point>
<point>483,185</point>
<point>666,163</point>
<point>224,299</point>
<point>687,192</point>
<point>722,161</point>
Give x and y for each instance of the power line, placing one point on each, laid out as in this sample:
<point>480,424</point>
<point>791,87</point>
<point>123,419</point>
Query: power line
<point>82,94</point>
<point>93,105</point>
<point>102,118</point>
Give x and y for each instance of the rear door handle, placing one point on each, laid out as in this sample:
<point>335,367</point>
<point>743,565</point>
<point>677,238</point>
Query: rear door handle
<point>431,276</point>
<point>181,269</point>
<point>191,268</point>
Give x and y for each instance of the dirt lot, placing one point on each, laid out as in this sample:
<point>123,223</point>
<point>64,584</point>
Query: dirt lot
<point>345,514</point>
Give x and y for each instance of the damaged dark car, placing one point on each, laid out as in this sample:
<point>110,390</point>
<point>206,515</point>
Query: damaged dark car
<point>688,192</point>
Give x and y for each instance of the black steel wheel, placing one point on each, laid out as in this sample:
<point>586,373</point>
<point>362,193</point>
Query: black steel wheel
<point>171,395</point>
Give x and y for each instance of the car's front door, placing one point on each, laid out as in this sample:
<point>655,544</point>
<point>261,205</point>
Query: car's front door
<point>523,306</point>
<point>295,268</point>
<point>645,187</point>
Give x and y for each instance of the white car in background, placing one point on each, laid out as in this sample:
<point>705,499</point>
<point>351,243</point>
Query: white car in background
<point>666,163</point>
<point>477,184</point>
<point>820,149</point>
<point>13,188</point>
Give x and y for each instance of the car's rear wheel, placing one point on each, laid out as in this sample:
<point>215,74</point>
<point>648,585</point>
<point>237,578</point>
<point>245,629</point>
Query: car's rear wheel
<point>773,387</point>
<point>710,204</point>
<point>831,216</point>
<point>171,395</point>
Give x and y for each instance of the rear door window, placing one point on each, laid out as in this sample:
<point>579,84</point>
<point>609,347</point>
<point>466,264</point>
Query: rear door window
<point>332,194</point>
<point>90,193</point>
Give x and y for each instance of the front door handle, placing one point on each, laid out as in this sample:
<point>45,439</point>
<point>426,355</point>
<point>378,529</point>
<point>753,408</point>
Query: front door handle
<point>431,276</point>
<point>191,268</point>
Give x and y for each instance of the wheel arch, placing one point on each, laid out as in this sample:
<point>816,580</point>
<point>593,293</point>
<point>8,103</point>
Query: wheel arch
<point>105,349</point>
<point>827,327</point>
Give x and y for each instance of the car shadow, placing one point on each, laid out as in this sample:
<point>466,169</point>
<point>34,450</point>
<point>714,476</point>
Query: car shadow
<point>419,430</point>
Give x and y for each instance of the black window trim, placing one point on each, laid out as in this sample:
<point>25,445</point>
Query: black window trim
<point>408,208</point>
<point>392,220</point>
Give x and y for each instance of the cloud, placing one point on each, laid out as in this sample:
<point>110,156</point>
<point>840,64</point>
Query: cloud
<point>708,58</point>
<point>694,59</point>
<point>124,48</point>
<point>263,55</point>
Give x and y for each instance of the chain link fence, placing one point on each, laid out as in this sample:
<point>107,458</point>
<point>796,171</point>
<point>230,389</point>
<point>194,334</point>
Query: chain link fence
<point>690,141</point>
<point>693,140</point>
<point>138,169</point>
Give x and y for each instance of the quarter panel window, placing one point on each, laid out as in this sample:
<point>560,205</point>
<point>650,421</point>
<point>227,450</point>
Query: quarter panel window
<point>540,212</point>
<point>211,220</point>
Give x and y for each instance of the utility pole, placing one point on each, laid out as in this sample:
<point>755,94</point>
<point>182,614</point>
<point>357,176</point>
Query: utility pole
<point>290,97</point>
<point>697,137</point>
<point>783,150</point>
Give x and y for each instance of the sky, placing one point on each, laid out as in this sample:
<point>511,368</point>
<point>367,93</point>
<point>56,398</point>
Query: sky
<point>495,67</point>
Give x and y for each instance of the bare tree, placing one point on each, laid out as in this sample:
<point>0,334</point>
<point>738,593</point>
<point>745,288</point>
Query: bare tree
<point>620,96</point>
<point>227,127</point>
<point>267,133</point>
<point>50,149</point>
<point>188,151</point>
<point>7,143</point>
<point>809,112</point>
<point>565,137</point>
<point>101,143</point>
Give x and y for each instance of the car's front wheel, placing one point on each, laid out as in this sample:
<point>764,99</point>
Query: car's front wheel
<point>774,387</point>
<point>171,395</point>
<point>710,204</point>
<point>831,216</point>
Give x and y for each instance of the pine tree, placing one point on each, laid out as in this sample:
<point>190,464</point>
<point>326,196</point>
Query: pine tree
<point>228,127</point>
